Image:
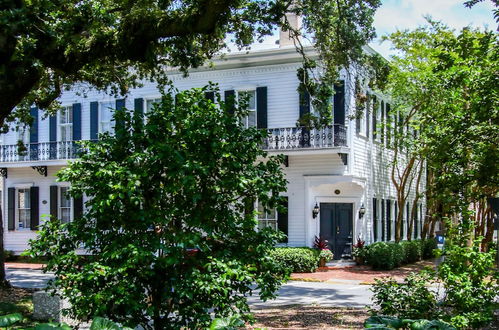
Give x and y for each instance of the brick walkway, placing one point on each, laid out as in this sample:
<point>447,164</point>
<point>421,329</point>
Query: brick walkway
<point>361,273</point>
<point>20,265</point>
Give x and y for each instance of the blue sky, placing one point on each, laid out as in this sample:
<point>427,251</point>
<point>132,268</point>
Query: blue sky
<point>408,14</point>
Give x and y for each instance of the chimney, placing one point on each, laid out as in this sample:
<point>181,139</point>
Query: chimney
<point>284,35</point>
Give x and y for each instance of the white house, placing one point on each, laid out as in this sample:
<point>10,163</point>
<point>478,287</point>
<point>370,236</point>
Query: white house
<point>340,171</point>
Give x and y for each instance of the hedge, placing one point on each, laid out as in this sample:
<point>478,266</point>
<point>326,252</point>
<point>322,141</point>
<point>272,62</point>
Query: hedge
<point>298,260</point>
<point>388,255</point>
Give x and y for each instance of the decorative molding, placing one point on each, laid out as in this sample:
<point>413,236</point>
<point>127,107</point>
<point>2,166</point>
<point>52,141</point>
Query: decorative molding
<point>3,172</point>
<point>40,169</point>
<point>344,158</point>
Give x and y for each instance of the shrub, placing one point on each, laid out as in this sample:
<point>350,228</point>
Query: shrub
<point>412,251</point>
<point>326,254</point>
<point>298,260</point>
<point>410,299</point>
<point>9,255</point>
<point>428,245</point>
<point>383,255</point>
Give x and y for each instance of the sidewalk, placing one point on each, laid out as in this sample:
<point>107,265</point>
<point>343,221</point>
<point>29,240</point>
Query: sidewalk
<point>361,274</point>
<point>21,265</point>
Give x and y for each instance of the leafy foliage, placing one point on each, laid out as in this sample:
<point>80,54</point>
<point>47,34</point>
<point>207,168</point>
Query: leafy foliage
<point>326,254</point>
<point>10,319</point>
<point>388,322</point>
<point>170,224</point>
<point>299,260</point>
<point>320,243</point>
<point>410,299</point>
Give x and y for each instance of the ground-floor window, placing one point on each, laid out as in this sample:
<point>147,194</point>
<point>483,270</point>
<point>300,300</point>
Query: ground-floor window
<point>64,205</point>
<point>23,208</point>
<point>267,218</point>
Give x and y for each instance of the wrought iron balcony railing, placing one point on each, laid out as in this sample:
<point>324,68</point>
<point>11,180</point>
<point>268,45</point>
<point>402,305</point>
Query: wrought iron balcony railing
<point>290,138</point>
<point>39,151</point>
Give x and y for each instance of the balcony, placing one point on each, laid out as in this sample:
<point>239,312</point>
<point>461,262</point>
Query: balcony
<point>39,151</point>
<point>301,138</point>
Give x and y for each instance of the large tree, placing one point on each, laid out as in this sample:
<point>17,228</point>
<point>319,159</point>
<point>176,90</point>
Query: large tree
<point>47,46</point>
<point>445,84</point>
<point>170,224</point>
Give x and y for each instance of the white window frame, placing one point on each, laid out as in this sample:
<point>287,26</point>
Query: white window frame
<point>265,219</point>
<point>254,110</point>
<point>59,204</point>
<point>153,98</point>
<point>101,111</point>
<point>68,126</point>
<point>17,209</point>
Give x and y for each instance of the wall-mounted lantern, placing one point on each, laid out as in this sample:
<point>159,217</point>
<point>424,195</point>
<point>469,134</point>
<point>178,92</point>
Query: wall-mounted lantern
<point>315,211</point>
<point>362,211</point>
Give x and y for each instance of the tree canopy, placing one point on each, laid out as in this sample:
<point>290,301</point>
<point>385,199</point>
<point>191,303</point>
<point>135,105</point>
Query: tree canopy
<point>47,46</point>
<point>170,226</point>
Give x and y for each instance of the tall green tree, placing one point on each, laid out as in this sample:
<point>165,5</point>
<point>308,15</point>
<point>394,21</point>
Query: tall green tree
<point>446,84</point>
<point>170,226</point>
<point>48,46</point>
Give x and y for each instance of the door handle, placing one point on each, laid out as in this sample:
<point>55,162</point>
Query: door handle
<point>337,230</point>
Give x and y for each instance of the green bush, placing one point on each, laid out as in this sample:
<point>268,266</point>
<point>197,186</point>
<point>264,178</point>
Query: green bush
<point>298,260</point>
<point>412,251</point>
<point>411,299</point>
<point>383,255</point>
<point>428,245</point>
<point>9,255</point>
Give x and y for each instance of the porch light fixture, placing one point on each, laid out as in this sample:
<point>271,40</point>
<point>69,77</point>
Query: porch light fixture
<point>362,211</point>
<point>315,211</point>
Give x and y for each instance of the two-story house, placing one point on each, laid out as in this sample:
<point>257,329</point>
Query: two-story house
<point>339,185</point>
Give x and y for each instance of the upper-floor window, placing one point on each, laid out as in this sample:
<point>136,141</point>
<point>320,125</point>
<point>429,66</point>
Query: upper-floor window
<point>23,134</point>
<point>106,123</point>
<point>65,202</point>
<point>267,218</point>
<point>23,208</point>
<point>250,96</point>
<point>66,124</point>
<point>151,102</point>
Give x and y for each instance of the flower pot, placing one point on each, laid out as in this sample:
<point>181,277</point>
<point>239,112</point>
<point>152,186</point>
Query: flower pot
<point>359,260</point>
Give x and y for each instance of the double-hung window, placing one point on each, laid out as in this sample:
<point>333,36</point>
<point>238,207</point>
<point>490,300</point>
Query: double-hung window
<point>267,218</point>
<point>23,208</point>
<point>65,205</point>
<point>106,123</point>
<point>66,124</point>
<point>250,97</point>
<point>150,103</point>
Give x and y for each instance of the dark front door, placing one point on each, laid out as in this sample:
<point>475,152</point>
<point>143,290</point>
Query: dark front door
<point>336,227</point>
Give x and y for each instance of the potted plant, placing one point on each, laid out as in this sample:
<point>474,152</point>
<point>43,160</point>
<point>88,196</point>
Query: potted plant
<point>359,251</point>
<point>325,253</point>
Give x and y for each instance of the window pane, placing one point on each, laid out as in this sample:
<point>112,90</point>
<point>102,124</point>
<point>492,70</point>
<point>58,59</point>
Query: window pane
<point>23,198</point>
<point>251,99</point>
<point>252,119</point>
<point>65,215</point>
<point>65,200</point>
<point>150,103</point>
<point>271,214</point>
<point>261,211</point>
<point>107,109</point>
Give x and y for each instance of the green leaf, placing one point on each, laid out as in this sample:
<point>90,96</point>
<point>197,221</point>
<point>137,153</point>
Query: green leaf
<point>52,326</point>
<point>10,319</point>
<point>227,323</point>
<point>100,323</point>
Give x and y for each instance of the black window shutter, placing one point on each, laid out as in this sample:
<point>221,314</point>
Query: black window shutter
<point>383,221</point>
<point>408,215</point>
<point>94,120</point>
<point>138,113</point>
<point>395,211</point>
<point>33,135</point>
<point>77,207</point>
<point>33,129</point>
<point>77,121</point>
<point>210,96</point>
<point>11,212</point>
<point>389,219</point>
<point>282,218</point>
<point>389,122</point>
<point>261,107</point>
<point>230,101</point>
<point>304,103</point>
<point>368,114</point>
<point>53,128</point>
<point>402,223</point>
<point>34,211</point>
<point>375,219</point>
<point>120,104</point>
<point>54,202</point>
<point>339,103</point>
